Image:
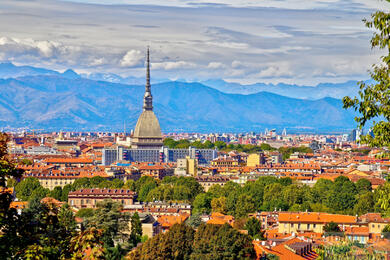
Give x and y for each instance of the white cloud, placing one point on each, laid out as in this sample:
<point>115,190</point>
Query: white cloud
<point>132,58</point>
<point>278,70</point>
<point>216,65</point>
<point>170,65</point>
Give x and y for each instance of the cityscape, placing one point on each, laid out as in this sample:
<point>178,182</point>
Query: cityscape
<point>195,162</point>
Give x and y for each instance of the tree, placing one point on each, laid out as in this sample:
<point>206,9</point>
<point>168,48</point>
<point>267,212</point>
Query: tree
<point>84,213</point>
<point>202,203</point>
<point>174,244</point>
<point>386,231</point>
<point>129,184</point>
<point>363,185</point>
<point>95,180</point>
<point>365,203</point>
<point>342,196</point>
<point>88,242</point>
<point>245,205</point>
<point>136,229</point>
<point>219,205</point>
<point>25,188</point>
<point>108,217</point>
<point>66,218</point>
<point>332,228</point>
<point>39,193</point>
<point>383,197</point>
<point>194,221</point>
<point>253,226</point>
<point>65,191</point>
<point>372,102</point>
<point>56,193</point>
<point>221,242</point>
<point>7,167</point>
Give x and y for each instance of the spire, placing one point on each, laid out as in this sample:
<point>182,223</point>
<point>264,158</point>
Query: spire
<point>148,99</point>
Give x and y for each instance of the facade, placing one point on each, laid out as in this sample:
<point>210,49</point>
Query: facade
<point>88,198</point>
<point>164,154</point>
<point>295,222</point>
<point>69,162</point>
<point>186,166</point>
<point>255,159</point>
<point>147,133</point>
<point>208,181</point>
<point>55,178</point>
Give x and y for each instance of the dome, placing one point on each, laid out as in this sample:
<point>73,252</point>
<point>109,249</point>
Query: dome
<point>147,126</point>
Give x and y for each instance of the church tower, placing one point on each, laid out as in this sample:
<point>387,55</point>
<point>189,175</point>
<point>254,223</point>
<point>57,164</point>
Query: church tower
<point>147,133</point>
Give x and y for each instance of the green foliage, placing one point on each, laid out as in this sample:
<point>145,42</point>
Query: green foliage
<point>194,221</point>
<point>372,101</point>
<point>386,231</point>
<point>56,193</point>
<point>332,229</point>
<point>253,225</point>
<point>88,240</point>
<point>108,217</point>
<point>287,151</point>
<point>26,161</point>
<point>365,203</point>
<point>84,213</point>
<point>26,187</point>
<point>221,242</point>
<point>39,193</point>
<point>174,244</point>
<point>136,229</point>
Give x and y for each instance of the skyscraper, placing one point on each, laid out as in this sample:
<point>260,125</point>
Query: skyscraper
<point>147,133</point>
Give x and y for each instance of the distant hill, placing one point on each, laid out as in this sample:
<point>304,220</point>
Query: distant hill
<point>335,90</point>
<point>74,103</point>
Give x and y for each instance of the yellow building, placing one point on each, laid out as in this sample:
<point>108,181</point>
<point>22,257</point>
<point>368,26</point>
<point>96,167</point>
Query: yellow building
<point>187,166</point>
<point>255,159</point>
<point>296,222</point>
<point>376,223</point>
<point>225,163</point>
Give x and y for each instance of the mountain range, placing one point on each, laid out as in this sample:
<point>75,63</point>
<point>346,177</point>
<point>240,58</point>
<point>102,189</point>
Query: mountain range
<point>38,98</point>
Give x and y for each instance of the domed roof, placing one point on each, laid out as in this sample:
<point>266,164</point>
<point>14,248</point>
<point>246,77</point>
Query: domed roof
<point>147,125</point>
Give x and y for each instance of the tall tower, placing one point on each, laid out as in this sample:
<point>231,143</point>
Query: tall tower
<point>147,133</point>
<point>148,98</point>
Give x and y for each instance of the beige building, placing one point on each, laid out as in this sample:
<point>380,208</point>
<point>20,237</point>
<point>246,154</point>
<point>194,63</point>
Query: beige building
<point>255,159</point>
<point>187,166</point>
<point>208,181</point>
<point>88,198</point>
<point>297,222</point>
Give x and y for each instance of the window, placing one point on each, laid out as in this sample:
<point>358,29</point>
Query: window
<point>314,225</point>
<point>308,226</point>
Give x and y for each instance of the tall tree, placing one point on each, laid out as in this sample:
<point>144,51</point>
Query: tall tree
<point>373,100</point>
<point>136,229</point>
<point>253,225</point>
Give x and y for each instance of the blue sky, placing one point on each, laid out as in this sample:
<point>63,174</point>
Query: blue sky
<point>290,41</point>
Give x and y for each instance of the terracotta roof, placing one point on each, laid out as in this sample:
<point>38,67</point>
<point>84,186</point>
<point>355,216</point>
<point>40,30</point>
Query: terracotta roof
<point>167,221</point>
<point>68,160</point>
<point>315,217</point>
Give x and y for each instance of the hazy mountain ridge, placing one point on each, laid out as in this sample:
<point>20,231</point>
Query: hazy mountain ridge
<point>335,90</point>
<point>56,102</point>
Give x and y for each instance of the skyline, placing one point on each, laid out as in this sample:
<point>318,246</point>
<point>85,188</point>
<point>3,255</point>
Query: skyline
<point>300,42</point>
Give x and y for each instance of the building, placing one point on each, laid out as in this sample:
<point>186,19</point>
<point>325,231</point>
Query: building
<point>296,222</point>
<point>164,154</point>
<point>69,162</point>
<point>255,159</point>
<point>88,198</point>
<point>187,166</point>
<point>147,133</point>
<point>208,181</point>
